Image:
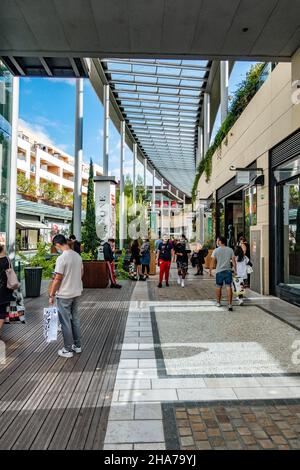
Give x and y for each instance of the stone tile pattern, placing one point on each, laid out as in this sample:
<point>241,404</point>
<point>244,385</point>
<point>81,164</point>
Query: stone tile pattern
<point>238,426</point>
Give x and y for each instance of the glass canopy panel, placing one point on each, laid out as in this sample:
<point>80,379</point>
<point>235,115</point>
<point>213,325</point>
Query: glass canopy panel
<point>161,101</point>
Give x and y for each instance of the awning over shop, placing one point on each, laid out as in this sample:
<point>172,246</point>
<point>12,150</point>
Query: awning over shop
<point>31,224</point>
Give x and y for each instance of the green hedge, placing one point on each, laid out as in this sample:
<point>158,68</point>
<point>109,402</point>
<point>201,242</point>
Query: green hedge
<point>242,97</point>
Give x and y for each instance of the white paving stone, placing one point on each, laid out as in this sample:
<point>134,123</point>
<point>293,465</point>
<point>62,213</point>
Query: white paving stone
<point>137,373</point>
<point>120,411</point>
<point>148,411</point>
<point>130,346</point>
<point>151,446</point>
<point>137,354</point>
<point>267,392</point>
<point>128,364</point>
<point>147,395</point>
<point>177,383</point>
<point>132,384</point>
<point>206,394</point>
<point>118,447</point>
<point>279,381</point>
<point>220,382</point>
<point>134,431</point>
<point>146,346</point>
<point>145,363</point>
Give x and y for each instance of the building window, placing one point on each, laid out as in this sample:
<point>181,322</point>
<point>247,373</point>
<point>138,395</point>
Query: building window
<point>5,145</point>
<point>28,239</point>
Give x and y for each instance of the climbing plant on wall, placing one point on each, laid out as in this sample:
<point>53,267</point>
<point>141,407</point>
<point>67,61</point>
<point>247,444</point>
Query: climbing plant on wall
<point>242,97</point>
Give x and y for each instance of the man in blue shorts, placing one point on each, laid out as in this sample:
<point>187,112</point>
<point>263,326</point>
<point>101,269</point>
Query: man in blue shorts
<point>222,257</point>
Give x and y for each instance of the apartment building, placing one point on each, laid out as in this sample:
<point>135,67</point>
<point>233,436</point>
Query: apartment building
<point>40,217</point>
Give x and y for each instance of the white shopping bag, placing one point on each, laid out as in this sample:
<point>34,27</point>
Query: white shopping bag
<point>50,324</point>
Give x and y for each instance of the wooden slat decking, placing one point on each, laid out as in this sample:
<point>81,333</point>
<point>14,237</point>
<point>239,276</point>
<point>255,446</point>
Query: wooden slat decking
<point>47,402</point>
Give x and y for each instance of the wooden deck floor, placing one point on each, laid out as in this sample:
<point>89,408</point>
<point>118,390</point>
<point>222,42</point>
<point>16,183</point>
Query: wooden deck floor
<point>47,402</point>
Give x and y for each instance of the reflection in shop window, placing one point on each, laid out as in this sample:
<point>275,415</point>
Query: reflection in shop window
<point>250,209</point>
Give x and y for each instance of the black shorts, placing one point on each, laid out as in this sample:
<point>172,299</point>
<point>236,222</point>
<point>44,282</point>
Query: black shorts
<point>3,311</point>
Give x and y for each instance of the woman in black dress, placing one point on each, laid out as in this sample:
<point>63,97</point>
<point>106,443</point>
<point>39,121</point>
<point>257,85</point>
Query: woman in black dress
<point>5,293</point>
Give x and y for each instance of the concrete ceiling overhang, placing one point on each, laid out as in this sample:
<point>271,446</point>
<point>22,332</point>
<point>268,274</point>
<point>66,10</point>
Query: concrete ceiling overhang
<point>200,29</point>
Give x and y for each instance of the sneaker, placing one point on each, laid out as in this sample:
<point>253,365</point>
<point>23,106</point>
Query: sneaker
<point>75,349</point>
<point>218,304</point>
<point>64,353</point>
<point>230,309</point>
<point>241,302</point>
<point>197,274</point>
<point>159,285</point>
<point>59,328</point>
<point>182,283</point>
<point>179,280</point>
<point>115,286</point>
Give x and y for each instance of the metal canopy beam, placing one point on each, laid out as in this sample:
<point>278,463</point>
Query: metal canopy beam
<point>158,63</point>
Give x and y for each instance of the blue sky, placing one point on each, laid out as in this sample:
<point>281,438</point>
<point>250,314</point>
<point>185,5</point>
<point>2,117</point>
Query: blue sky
<point>47,108</point>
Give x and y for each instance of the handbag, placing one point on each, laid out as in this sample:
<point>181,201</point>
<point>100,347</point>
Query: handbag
<point>12,280</point>
<point>249,269</point>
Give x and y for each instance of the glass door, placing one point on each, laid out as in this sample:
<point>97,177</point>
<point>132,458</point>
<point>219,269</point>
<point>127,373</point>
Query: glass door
<point>290,232</point>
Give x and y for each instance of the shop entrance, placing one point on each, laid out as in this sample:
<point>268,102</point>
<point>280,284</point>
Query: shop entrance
<point>232,217</point>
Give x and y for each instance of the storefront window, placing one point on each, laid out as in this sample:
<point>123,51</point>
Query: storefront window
<point>28,239</point>
<point>291,232</point>
<point>5,143</point>
<point>250,209</point>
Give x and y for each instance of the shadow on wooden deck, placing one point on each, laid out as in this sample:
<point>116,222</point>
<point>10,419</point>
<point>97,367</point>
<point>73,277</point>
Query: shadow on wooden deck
<point>47,402</point>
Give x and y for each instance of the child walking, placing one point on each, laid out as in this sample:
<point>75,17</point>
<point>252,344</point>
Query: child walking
<point>242,262</point>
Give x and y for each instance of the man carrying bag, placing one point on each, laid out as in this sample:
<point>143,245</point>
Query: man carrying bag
<point>67,285</point>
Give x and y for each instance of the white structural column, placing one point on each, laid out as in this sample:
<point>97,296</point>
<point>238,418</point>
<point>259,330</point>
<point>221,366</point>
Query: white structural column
<point>145,173</point>
<point>200,145</point>
<point>134,175</point>
<point>122,196</point>
<point>13,170</point>
<point>105,129</point>
<point>206,124</point>
<point>153,190</point>
<point>224,75</point>
<point>162,207</point>
<point>78,158</point>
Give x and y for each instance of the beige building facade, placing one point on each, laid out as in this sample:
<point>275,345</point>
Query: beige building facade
<point>269,124</point>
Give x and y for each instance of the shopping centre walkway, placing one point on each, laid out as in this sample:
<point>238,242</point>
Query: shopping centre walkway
<point>161,368</point>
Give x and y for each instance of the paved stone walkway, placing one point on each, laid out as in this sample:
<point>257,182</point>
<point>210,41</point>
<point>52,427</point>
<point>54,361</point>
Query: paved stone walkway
<point>152,409</point>
<point>258,426</point>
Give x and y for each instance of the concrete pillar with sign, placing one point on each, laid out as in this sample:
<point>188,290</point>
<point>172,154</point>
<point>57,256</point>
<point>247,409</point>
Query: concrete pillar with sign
<point>105,206</point>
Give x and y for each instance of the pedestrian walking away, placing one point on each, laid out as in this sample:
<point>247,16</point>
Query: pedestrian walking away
<point>165,253</point>
<point>242,263</point>
<point>145,257</point>
<point>109,258</point>
<point>136,259</point>
<point>181,252</point>
<point>223,256</point>
<point>67,287</point>
<point>6,295</point>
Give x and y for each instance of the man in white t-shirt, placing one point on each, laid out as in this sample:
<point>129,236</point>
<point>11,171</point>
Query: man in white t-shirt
<point>67,285</point>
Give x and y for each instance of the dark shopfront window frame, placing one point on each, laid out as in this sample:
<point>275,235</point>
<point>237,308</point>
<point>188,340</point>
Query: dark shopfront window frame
<point>284,152</point>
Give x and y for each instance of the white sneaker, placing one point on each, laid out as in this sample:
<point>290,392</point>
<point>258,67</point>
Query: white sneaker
<point>179,280</point>
<point>218,304</point>
<point>64,353</point>
<point>182,283</point>
<point>75,349</point>
<point>241,301</point>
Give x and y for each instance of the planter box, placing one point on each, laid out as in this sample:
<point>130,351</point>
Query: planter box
<point>95,275</point>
